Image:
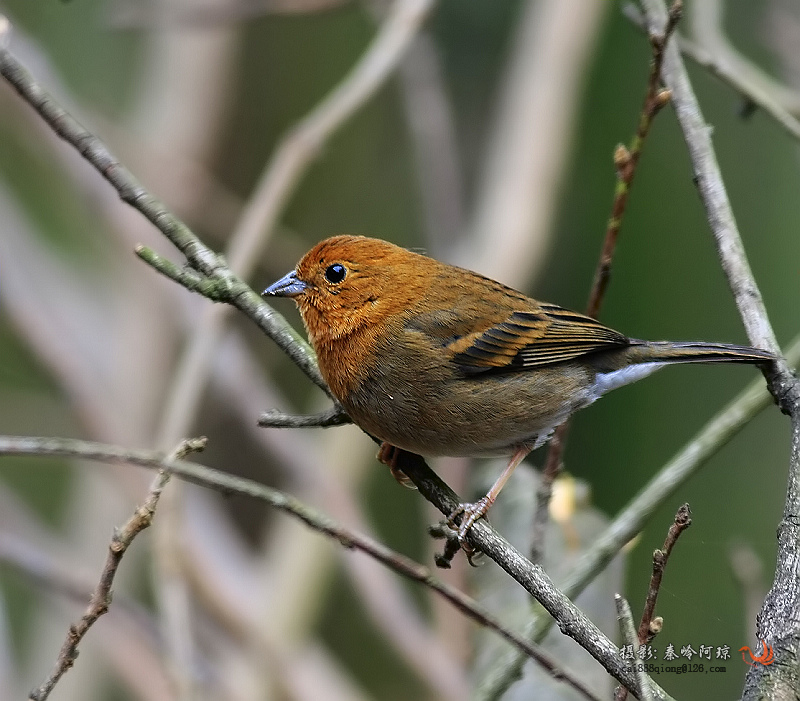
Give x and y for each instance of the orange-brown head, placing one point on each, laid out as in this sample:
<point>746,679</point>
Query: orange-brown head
<point>347,284</point>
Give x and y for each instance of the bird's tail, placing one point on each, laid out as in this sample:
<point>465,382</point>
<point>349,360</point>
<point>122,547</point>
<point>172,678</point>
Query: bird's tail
<point>698,352</point>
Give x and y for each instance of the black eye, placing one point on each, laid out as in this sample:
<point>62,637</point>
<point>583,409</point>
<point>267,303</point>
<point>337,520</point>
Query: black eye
<point>335,273</point>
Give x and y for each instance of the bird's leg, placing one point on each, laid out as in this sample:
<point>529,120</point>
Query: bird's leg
<point>387,454</point>
<point>472,512</point>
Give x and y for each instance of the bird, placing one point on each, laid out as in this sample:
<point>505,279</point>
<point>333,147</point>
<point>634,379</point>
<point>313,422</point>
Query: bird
<point>441,361</point>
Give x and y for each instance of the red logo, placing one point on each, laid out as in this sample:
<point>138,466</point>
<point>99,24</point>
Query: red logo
<point>764,658</point>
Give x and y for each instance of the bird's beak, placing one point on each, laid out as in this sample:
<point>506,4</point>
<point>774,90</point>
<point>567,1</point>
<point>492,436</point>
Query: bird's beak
<point>288,286</point>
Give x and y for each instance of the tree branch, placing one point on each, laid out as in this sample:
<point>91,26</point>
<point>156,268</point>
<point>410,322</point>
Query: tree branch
<point>629,636</point>
<point>212,276</point>
<point>649,626</point>
<point>779,621</point>
<point>335,416</point>
<point>683,519</point>
<point>230,484</point>
<point>532,577</point>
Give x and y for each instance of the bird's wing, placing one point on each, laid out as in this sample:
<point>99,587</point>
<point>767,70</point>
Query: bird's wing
<point>528,339</point>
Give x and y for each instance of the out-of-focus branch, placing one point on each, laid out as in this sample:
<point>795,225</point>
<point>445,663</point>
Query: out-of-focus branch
<point>230,484</point>
<point>126,14</point>
<point>433,136</point>
<point>101,597</point>
<point>334,416</point>
<point>529,144</point>
<point>751,90</point>
<point>707,24</point>
<point>748,571</point>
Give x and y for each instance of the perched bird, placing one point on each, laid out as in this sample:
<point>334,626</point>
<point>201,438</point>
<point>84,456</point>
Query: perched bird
<point>439,360</point>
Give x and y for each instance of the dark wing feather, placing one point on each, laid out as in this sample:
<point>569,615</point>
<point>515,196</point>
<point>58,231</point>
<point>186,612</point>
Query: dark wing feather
<point>531,339</point>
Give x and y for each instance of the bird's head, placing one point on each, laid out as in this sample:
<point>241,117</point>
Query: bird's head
<point>346,283</point>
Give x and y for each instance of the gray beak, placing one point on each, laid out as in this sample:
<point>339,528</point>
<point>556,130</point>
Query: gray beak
<point>288,286</point>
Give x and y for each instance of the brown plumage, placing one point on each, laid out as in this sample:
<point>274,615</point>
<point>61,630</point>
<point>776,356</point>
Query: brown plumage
<point>439,360</point>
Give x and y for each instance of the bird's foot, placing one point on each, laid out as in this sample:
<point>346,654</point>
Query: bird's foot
<point>387,454</point>
<point>469,514</point>
<point>452,547</point>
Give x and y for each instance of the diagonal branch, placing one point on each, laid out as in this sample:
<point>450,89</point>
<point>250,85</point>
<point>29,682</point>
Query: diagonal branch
<point>712,190</point>
<point>210,275</point>
<point>532,577</point>
<point>230,484</point>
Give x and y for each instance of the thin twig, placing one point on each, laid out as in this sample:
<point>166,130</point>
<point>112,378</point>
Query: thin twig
<point>230,484</point>
<point>629,636</point>
<point>625,162</point>
<point>649,626</point>
<point>626,159</point>
<point>101,597</point>
<point>751,91</point>
<point>683,519</point>
<point>335,416</point>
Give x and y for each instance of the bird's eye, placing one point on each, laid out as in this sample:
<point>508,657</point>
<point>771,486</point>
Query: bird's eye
<point>335,273</point>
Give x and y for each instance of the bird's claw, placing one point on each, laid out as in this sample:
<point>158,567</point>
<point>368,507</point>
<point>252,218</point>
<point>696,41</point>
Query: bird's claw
<point>445,530</point>
<point>469,514</point>
<point>388,454</point>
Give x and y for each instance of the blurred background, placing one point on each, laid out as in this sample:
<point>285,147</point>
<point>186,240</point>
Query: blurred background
<point>490,146</point>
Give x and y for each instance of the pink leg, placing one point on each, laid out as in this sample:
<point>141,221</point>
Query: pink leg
<point>472,512</point>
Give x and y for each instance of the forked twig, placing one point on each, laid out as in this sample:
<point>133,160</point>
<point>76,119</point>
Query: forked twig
<point>683,519</point>
<point>649,626</point>
<point>101,597</point>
